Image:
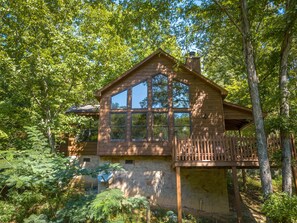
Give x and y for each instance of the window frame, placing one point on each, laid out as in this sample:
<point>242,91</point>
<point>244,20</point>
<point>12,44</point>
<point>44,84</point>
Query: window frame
<point>170,110</point>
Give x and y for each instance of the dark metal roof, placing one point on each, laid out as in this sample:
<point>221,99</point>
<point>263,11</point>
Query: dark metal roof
<point>84,110</point>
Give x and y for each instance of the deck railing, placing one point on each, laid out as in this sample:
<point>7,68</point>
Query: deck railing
<point>221,148</point>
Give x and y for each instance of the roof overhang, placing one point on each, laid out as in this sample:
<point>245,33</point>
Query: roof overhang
<point>236,117</point>
<point>159,53</point>
<point>85,110</point>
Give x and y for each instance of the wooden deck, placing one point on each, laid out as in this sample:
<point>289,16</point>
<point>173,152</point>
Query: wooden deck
<point>224,151</point>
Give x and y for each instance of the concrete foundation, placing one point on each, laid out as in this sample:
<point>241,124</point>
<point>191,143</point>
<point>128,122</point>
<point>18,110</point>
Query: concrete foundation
<point>202,189</point>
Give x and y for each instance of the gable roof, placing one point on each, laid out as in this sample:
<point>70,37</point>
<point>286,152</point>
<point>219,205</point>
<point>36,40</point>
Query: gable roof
<point>159,52</point>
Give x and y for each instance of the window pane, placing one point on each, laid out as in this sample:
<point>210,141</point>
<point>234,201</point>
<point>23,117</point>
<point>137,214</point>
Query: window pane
<point>182,132</point>
<point>160,91</point>
<point>118,133</point>
<point>160,133</point>
<point>118,126</point>
<point>182,124</point>
<point>139,119</point>
<point>180,95</point>
<point>119,101</point>
<point>139,126</point>
<point>160,126</point>
<point>139,95</point>
<point>139,133</point>
<point>118,119</point>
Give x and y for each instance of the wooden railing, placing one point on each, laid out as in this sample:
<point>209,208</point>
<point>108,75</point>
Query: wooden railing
<point>222,148</point>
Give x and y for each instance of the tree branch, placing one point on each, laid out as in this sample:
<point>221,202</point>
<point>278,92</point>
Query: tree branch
<point>229,16</point>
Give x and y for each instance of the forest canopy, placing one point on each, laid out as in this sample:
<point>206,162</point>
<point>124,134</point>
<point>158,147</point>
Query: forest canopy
<point>55,54</point>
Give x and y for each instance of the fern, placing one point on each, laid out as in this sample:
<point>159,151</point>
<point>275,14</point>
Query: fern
<point>36,139</point>
<point>112,206</point>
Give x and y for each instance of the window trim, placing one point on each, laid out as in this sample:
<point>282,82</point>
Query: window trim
<point>170,110</point>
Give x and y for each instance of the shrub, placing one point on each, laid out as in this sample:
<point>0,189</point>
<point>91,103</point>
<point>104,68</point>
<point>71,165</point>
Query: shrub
<point>6,211</point>
<point>112,206</point>
<point>280,207</point>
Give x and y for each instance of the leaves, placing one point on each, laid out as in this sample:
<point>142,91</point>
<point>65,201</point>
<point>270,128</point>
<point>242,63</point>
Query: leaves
<point>280,207</point>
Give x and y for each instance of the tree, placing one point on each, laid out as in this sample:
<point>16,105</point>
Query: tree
<point>219,35</point>
<point>52,51</point>
<point>264,165</point>
<point>290,18</point>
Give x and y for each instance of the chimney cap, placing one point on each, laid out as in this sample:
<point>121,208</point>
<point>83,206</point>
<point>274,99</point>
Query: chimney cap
<point>192,54</point>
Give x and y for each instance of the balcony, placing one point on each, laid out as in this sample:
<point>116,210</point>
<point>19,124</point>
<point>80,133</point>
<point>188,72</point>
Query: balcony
<point>223,151</point>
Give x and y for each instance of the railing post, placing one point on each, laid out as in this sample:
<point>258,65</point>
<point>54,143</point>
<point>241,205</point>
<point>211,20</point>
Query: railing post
<point>174,148</point>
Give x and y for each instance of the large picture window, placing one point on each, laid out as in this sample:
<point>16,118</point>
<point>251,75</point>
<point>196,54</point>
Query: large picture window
<point>119,101</point>
<point>139,95</point>
<point>160,126</point>
<point>160,91</point>
<point>118,126</point>
<point>182,124</point>
<point>139,127</point>
<point>180,95</point>
<point>146,106</point>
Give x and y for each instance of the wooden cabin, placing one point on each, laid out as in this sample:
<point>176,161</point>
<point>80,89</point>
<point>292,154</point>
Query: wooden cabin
<point>166,124</point>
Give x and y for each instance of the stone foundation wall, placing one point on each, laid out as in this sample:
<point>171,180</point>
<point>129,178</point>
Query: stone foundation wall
<point>202,189</point>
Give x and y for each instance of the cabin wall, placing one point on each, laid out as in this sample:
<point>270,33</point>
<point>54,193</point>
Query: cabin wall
<point>206,107</point>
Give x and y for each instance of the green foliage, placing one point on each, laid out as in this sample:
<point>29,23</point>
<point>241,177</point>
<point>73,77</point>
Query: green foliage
<point>277,123</point>
<point>111,205</point>
<point>280,207</point>
<point>36,181</point>
<point>55,54</point>
<point>36,219</point>
<point>7,211</point>
<point>76,209</point>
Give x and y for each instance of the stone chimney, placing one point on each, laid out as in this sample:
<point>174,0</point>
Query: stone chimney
<point>193,62</point>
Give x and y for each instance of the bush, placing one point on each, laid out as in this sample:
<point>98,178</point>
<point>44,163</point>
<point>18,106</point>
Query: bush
<point>280,207</point>
<point>6,211</point>
<point>112,206</point>
<point>35,184</point>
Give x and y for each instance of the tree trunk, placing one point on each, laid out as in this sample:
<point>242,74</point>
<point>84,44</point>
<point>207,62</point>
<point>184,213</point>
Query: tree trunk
<point>51,139</point>
<point>50,135</point>
<point>265,173</point>
<point>284,98</point>
<point>284,113</point>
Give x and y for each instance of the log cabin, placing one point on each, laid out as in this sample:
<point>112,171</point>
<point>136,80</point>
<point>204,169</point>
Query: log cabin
<point>166,124</point>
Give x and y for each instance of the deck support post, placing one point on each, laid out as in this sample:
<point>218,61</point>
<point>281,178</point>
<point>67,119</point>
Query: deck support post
<point>236,193</point>
<point>294,173</point>
<point>178,195</point>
